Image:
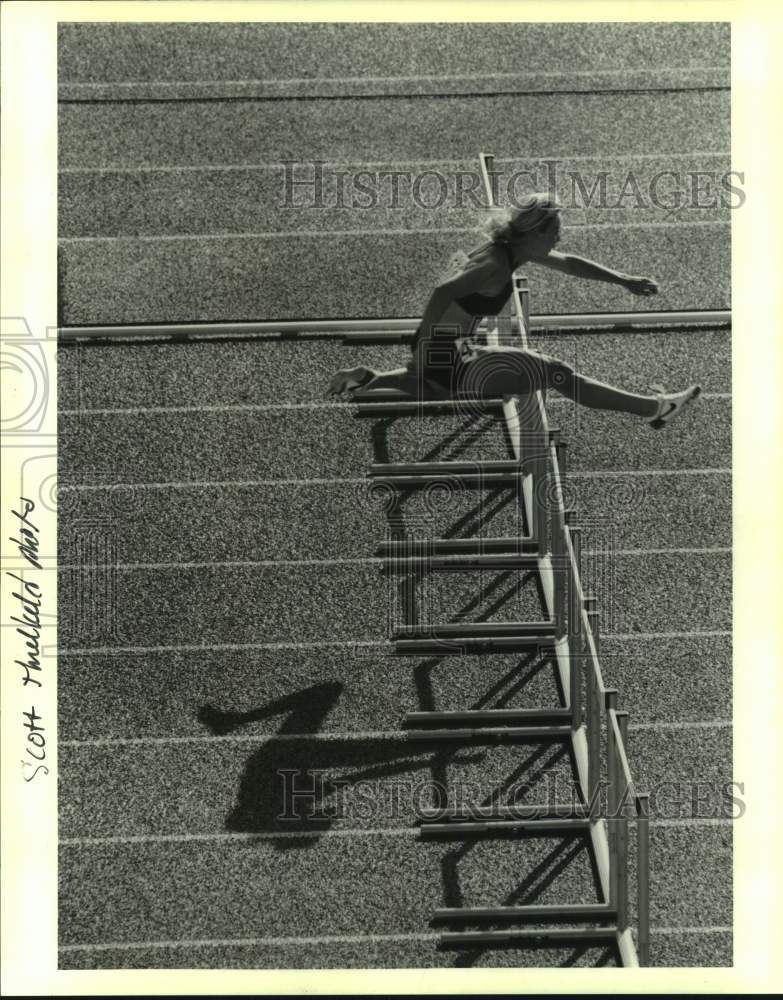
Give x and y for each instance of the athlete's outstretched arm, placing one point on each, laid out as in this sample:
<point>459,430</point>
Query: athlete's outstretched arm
<point>580,267</point>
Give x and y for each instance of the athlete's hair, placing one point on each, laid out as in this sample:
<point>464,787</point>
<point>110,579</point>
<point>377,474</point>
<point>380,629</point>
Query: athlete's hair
<point>502,224</point>
<point>535,212</point>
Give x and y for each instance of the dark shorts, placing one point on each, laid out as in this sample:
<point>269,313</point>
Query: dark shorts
<point>465,369</point>
<point>442,364</point>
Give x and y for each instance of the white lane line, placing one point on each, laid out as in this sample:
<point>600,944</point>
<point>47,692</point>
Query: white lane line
<point>393,831</point>
<point>331,233</point>
<point>249,564</point>
<point>186,838</point>
<point>379,644</point>
<point>358,561</point>
<point>641,473</point>
<point>393,734</point>
<point>228,646</point>
<point>208,484</point>
<point>667,635</point>
<point>694,724</point>
<point>719,550</point>
<point>562,400</point>
<point>263,942</point>
<point>120,168</point>
<point>249,483</point>
<point>234,738</point>
<point>691,930</point>
<point>690,821</point>
<point>266,407</point>
<point>314,81</point>
<point>331,939</point>
<point>220,408</point>
<point>269,235</point>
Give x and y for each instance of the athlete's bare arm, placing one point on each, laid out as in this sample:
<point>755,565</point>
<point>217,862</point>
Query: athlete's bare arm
<point>580,267</point>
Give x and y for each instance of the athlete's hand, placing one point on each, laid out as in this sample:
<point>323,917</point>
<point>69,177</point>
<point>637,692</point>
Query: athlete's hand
<point>641,286</point>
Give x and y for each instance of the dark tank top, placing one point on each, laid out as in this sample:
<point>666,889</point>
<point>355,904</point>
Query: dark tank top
<point>476,304</point>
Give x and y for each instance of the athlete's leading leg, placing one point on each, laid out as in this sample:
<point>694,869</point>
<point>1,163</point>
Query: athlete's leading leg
<point>594,394</point>
<point>657,409</point>
<point>508,371</point>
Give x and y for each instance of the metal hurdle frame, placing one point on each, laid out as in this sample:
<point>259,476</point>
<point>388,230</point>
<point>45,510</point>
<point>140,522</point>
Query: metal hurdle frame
<point>593,706</point>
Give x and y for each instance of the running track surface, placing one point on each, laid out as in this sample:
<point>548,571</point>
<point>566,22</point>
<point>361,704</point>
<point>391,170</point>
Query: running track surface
<point>222,609</point>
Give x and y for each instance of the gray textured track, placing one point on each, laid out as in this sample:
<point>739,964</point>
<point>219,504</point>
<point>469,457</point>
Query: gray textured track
<point>199,133</point>
<point>243,445</point>
<point>220,200</point>
<point>233,278</point>
<point>301,897</point>
<point>663,680</point>
<point>195,668</point>
<point>256,372</point>
<point>108,53</point>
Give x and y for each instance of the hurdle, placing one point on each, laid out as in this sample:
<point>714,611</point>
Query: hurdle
<point>392,329</point>
<point>594,707</point>
<point>589,720</point>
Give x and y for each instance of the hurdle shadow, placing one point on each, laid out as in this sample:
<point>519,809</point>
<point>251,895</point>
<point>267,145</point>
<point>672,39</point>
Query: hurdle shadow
<point>566,853</point>
<point>471,426</point>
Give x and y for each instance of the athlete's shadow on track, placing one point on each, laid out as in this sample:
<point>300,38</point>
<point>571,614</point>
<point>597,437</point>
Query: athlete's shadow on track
<point>302,787</point>
<point>298,788</point>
